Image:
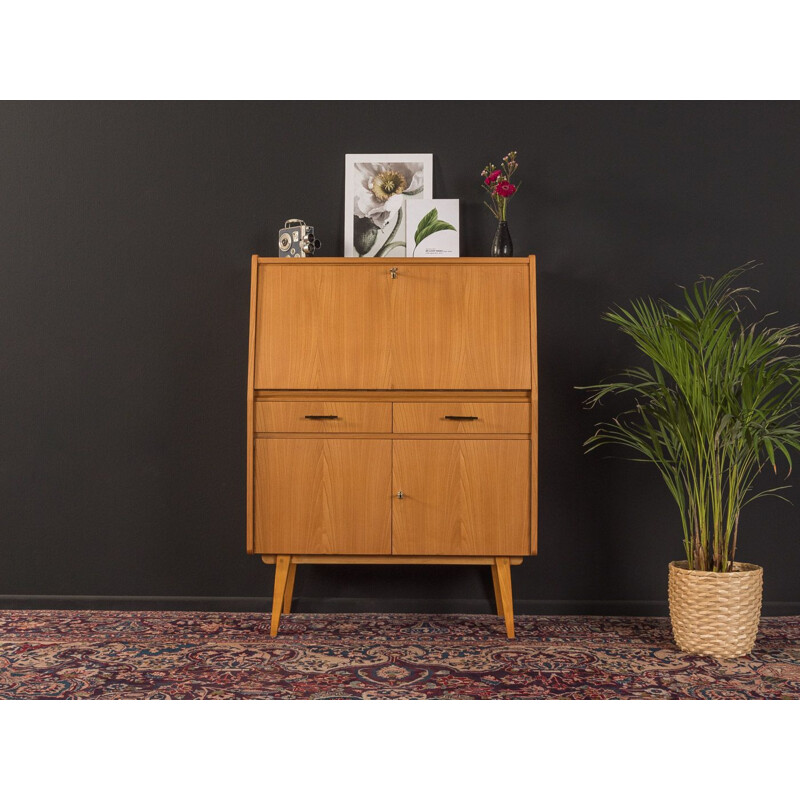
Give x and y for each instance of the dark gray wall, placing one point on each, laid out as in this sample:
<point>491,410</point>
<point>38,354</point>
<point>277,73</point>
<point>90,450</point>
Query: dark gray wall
<point>126,231</point>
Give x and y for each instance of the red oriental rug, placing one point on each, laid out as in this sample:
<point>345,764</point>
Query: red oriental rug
<point>200,655</point>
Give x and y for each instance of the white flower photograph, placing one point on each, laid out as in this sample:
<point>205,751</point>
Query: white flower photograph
<point>376,189</point>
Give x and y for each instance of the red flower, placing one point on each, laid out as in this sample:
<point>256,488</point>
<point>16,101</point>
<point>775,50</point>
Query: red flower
<point>505,189</point>
<point>492,178</point>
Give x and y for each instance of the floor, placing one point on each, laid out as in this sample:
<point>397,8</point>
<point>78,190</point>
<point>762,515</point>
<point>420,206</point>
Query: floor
<point>210,655</point>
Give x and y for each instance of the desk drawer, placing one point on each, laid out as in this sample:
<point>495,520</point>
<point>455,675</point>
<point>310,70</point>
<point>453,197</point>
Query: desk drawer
<point>322,416</point>
<point>462,418</point>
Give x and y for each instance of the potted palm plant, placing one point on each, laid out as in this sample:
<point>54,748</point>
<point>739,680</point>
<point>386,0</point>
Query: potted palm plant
<point>717,403</point>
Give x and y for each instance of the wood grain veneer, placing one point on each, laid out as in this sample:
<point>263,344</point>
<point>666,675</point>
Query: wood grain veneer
<point>323,326</point>
<point>396,395</point>
<point>534,406</point>
<point>465,497</point>
<point>453,560</point>
<point>443,326</point>
<point>439,418</point>
<point>323,496</point>
<point>460,326</point>
<point>391,480</point>
<point>293,417</point>
<point>250,398</point>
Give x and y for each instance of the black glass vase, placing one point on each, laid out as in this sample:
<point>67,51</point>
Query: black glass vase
<point>502,246</point>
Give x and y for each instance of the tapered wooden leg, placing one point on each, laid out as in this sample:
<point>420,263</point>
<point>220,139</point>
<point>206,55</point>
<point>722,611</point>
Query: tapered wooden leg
<point>498,600</point>
<point>503,567</point>
<point>282,564</point>
<point>287,596</point>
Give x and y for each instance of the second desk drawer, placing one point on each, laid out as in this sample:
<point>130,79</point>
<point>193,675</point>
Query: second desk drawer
<point>322,416</point>
<point>462,418</point>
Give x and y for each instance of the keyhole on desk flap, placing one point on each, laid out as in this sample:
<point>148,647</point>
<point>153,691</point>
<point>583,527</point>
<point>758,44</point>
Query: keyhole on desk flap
<point>400,495</point>
<point>393,271</point>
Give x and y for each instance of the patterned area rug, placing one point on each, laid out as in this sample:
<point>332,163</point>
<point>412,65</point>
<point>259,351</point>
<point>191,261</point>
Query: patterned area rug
<point>188,655</point>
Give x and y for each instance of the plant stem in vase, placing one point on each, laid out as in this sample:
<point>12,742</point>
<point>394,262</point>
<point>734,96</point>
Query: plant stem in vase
<point>497,183</point>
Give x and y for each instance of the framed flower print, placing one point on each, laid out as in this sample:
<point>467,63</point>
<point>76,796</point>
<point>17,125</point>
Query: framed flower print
<point>376,188</point>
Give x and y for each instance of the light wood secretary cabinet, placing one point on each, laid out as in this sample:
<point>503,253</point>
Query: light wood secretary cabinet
<point>392,413</point>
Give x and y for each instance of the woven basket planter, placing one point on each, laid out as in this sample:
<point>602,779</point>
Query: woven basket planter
<point>715,613</point>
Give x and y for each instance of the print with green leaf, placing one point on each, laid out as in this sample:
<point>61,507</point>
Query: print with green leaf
<point>428,225</point>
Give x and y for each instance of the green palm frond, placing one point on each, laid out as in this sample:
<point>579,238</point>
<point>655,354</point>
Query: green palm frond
<point>718,403</point>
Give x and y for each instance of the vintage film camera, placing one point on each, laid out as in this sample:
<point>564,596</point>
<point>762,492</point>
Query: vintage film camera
<point>296,239</point>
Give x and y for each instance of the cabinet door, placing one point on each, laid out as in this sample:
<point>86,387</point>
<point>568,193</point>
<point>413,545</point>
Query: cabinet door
<point>461,497</point>
<point>461,326</point>
<point>323,496</point>
<point>322,326</point>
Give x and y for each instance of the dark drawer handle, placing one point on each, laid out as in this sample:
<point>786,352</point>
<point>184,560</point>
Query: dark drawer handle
<point>321,416</point>
<point>453,416</point>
